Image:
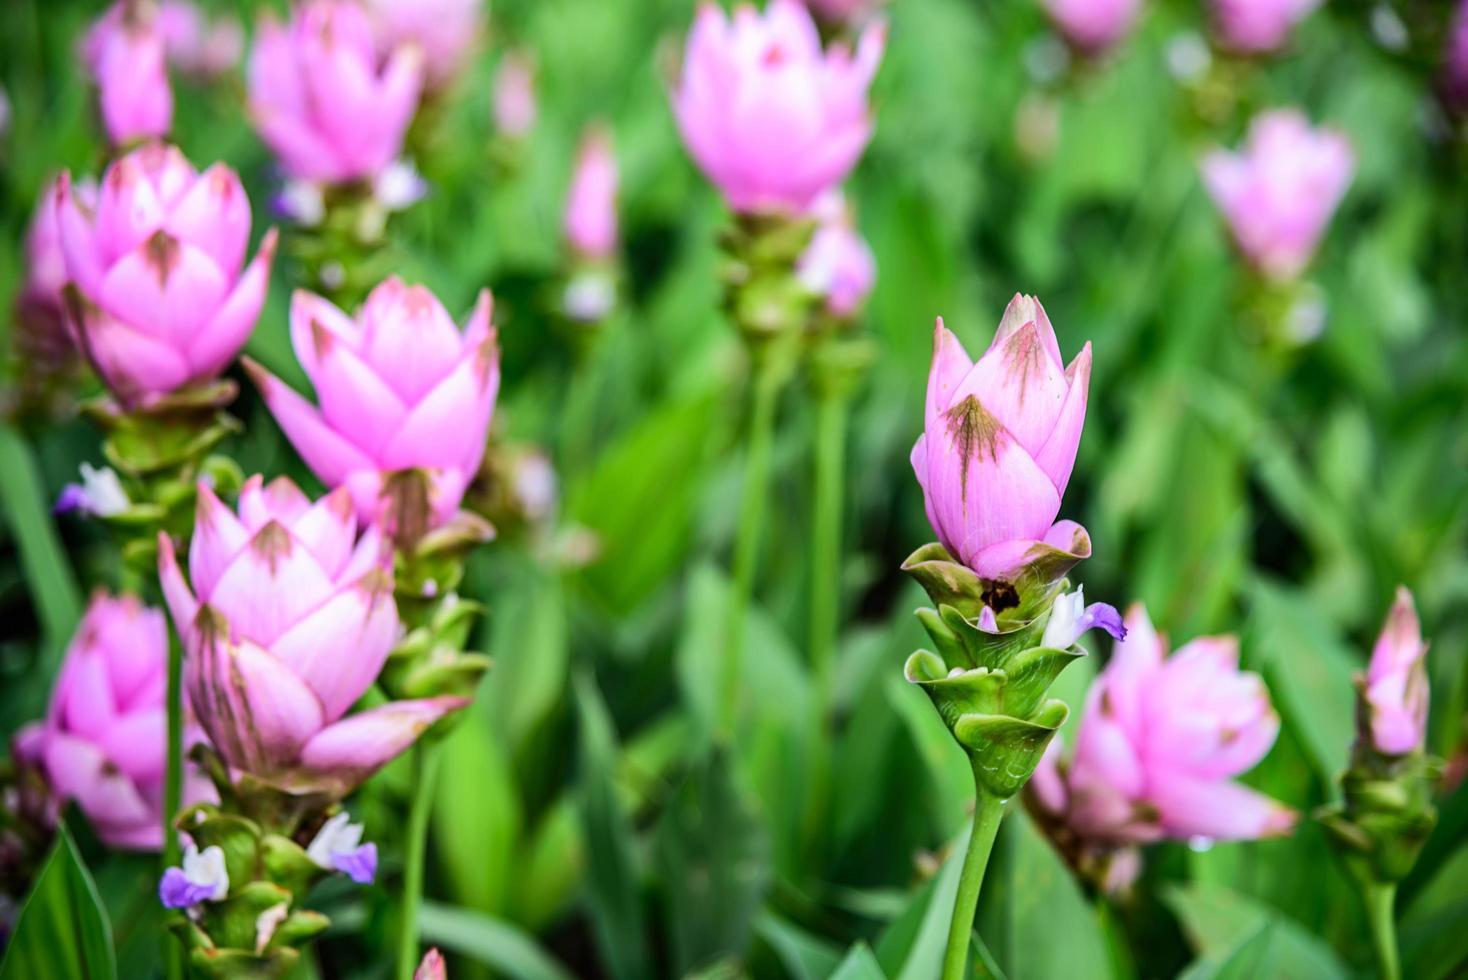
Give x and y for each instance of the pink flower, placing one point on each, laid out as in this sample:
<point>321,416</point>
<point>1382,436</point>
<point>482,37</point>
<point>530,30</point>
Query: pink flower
<point>40,304</point>
<point>1453,80</point>
<point>196,45</point>
<point>841,11</point>
<point>321,100</point>
<point>591,207</point>
<point>446,31</point>
<point>1279,193</point>
<point>1396,682</point>
<point>999,441</point>
<point>770,118</point>
<point>399,388</point>
<point>838,264</point>
<point>124,50</point>
<point>1159,743</point>
<point>514,95</point>
<point>161,298</point>
<point>104,742</point>
<point>1092,26</point>
<point>432,967</point>
<point>288,622</point>
<point>1257,26</point>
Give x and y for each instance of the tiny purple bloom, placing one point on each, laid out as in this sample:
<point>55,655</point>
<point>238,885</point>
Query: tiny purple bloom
<point>202,878</point>
<point>338,847</point>
<point>360,864</point>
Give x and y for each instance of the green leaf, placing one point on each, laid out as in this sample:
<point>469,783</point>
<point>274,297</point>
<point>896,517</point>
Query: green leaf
<point>530,652</point>
<point>487,940</point>
<point>859,964</point>
<point>1434,942</point>
<point>805,956</point>
<point>911,948</point>
<point>477,822</point>
<point>1219,922</point>
<point>62,932</point>
<point>1045,903</point>
<point>48,574</point>
<point>1251,957</point>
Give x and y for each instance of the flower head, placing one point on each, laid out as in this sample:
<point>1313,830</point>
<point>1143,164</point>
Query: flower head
<point>1257,26</point>
<point>199,45</point>
<point>1395,688</point>
<point>837,264</point>
<point>445,30</point>
<point>1092,26</point>
<point>125,52</point>
<point>591,207</point>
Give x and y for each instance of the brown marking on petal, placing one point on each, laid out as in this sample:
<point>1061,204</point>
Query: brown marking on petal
<point>1106,707</point>
<point>999,595</point>
<point>486,355</point>
<point>377,582</point>
<point>273,543</point>
<point>1144,812</point>
<point>339,503</point>
<point>418,302</point>
<point>1228,736</point>
<point>321,339</point>
<point>774,55</point>
<point>1023,354</point>
<point>220,185</point>
<point>162,252</point>
<point>974,431</point>
<point>121,175</point>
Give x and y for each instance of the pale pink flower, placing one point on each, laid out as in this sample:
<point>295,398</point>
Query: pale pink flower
<point>126,54</point>
<point>1395,690</point>
<point>591,207</point>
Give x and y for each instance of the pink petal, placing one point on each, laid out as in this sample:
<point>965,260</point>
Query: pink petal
<point>447,428</point>
<point>329,529</point>
<point>214,214</point>
<point>410,339</point>
<point>257,712</point>
<point>131,362</point>
<point>949,366</point>
<point>77,770</point>
<point>331,457</point>
<point>279,500</point>
<point>219,537</point>
<point>77,237</point>
<point>182,605</point>
<point>1057,456</point>
<point>339,649</point>
<point>270,585</point>
<point>137,743</point>
<point>356,747</point>
<point>235,318</point>
<point>129,210</point>
<point>166,287</point>
<point>1020,385</point>
<point>1194,807</point>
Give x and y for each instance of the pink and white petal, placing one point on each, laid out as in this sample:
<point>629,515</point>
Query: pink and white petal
<point>87,707</point>
<point>1215,810</point>
<point>339,649</point>
<point>317,323</point>
<point>234,320</point>
<point>214,214</point>
<point>166,287</point>
<point>78,770</point>
<point>373,554</point>
<point>949,366</point>
<point>132,363</point>
<point>270,586</point>
<point>329,528</point>
<point>137,743</point>
<point>78,240</point>
<point>128,209</point>
<point>330,456</point>
<point>279,500</point>
<point>1135,661</point>
<point>356,747</point>
<point>1020,385</point>
<point>219,537</point>
<point>1057,456</point>
<point>257,712</point>
<point>410,339</point>
<point>304,153</point>
<point>354,399</point>
<point>182,605</point>
<point>447,429</point>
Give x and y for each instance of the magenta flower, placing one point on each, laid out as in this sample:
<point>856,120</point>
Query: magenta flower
<point>1453,79</point>
<point>591,207</point>
<point>837,265</point>
<point>1257,26</point>
<point>321,100</point>
<point>445,30</point>
<point>198,45</point>
<point>769,117</point>
<point>399,388</point>
<point>40,304</point>
<point>1395,689</point>
<point>288,622</point>
<point>1093,26</point>
<point>125,52</point>
<point>161,300</point>
<point>1159,743</point>
<point>999,441</point>
<point>104,741</point>
<point>1278,194</point>
<point>514,95</point>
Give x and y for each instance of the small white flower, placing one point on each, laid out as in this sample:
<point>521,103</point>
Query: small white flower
<point>100,493</point>
<point>201,877</point>
<point>338,847</point>
<point>266,924</point>
<point>1065,617</point>
<point>303,202</point>
<point>399,186</point>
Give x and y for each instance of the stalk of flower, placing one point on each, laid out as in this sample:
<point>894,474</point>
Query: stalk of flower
<point>773,121</point>
<point>335,106</point>
<point>1159,743</point>
<point>999,442</point>
<point>1386,811</point>
<point>126,54</point>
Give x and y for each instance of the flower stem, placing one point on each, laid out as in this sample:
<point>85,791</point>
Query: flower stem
<point>425,769</point>
<point>768,379</point>
<point>1380,899</point>
<point>988,811</point>
<point>173,787</point>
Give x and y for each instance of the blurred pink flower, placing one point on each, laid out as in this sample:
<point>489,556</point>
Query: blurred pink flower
<point>446,31</point>
<point>125,52</point>
<point>320,98</point>
<point>837,264</point>
<point>999,442</point>
<point>1395,689</point>
<point>40,304</point>
<point>514,95</point>
<point>197,44</point>
<point>1159,743</point>
<point>1257,26</point>
<point>432,967</point>
<point>841,11</point>
<point>399,388</point>
<point>1092,26</point>
<point>769,117</point>
<point>161,299</point>
<point>591,206</point>
<point>104,741</point>
<point>287,623</point>
<point>1278,194</point>
<point>1453,81</point>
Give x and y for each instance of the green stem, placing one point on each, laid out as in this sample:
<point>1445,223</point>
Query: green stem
<point>1380,900</point>
<point>425,768</point>
<point>173,787</point>
<point>579,417</point>
<point>988,811</point>
<point>767,382</point>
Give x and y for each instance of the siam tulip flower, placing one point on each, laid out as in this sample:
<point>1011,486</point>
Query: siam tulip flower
<point>1257,26</point>
<point>205,47</point>
<point>288,622</point>
<point>514,95</point>
<point>103,743</point>
<point>771,119</point>
<point>432,967</point>
<point>41,307</point>
<point>160,298</point>
<point>1453,78</point>
<point>445,30</point>
<point>1395,689</point>
<point>1159,743</point>
<point>322,100</point>
<point>1278,194</point>
<point>338,846</point>
<point>1093,26</point>
<point>1000,441</point>
<point>200,877</point>
<point>591,206</point>
<point>837,264</point>
<point>399,387</point>
<point>125,52</point>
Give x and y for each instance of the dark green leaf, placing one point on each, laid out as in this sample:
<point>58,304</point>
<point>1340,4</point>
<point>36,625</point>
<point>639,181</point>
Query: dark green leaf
<point>62,932</point>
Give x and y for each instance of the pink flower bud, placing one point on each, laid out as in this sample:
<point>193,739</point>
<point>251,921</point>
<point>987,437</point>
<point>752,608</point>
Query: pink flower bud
<point>838,264</point>
<point>432,967</point>
<point>125,52</point>
<point>1160,741</point>
<point>287,618</point>
<point>1000,439</point>
<point>1093,26</point>
<point>399,388</point>
<point>196,45</point>
<point>1278,194</point>
<point>446,31</point>
<point>591,207</point>
<point>1257,26</point>
<point>514,95</point>
<point>161,299</point>
<point>104,741</point>
<point>769,117</point>
<point>1396,691</point>
<point>322,100</point>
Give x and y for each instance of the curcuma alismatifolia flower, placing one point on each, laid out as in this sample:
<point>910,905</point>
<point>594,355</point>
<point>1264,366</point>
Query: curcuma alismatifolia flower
<point>125,51</point>
<point>591,206</point>
<point>1453,75</point>
<point>289,620</point>
<point>103,743</point>
<point>1278,194</point>
<point>199,44</point>
<point>837,265</point>
<point>1159,743</point>
<point>159,295</point>
<point>771,119</point>
<point>321,98</point>
<point>1394,691</point>
<point>446,31</point>
<point>1257,26</point>
<point>1093,26</point>
<point>400,388</point>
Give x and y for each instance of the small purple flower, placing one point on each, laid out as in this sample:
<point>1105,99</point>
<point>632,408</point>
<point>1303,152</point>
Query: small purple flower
<point>100,494</point>
<point>1070,617</point>
<point>338,847</point>
<point>202,878</point>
